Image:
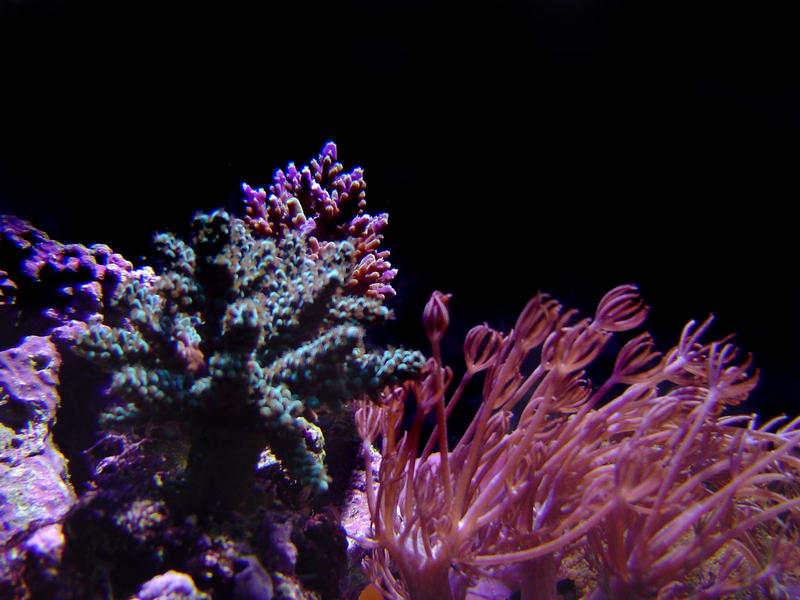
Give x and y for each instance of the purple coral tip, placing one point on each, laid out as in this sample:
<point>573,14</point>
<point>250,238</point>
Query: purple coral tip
<point>329,150</point>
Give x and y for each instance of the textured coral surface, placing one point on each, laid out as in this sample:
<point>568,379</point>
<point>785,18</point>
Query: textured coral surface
<point>245,334</point>
<point>198,393</point>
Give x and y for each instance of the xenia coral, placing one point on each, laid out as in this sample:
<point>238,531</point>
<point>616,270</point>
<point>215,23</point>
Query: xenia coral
<point>241,338</point>
<point>634,486</point>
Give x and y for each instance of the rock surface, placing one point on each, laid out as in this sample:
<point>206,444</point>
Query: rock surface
<point>34,486</point>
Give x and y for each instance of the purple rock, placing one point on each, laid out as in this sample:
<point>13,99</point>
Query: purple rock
<point>34,486</point>
<point>50,284</point>
<point>172,585</point>
<point>47,542</point>
<point>251,581</point>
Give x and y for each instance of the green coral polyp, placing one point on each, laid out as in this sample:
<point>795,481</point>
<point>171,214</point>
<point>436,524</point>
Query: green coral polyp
<point>249,333</point>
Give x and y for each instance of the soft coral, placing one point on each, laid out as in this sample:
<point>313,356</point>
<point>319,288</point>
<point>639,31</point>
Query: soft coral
<point>640,478</point>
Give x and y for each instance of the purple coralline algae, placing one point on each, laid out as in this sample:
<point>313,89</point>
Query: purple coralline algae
<point>35,492</point>
<point>45,284</point>
<point>171,585</point>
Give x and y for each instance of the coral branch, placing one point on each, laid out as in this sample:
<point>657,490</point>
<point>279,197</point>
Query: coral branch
<point>247,333</point>
<point>326,204</point>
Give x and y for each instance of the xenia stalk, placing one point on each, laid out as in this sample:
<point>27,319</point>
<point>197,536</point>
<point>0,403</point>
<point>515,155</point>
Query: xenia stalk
<point>637,486</point>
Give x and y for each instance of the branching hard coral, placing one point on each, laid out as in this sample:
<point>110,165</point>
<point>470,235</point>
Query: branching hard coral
<point>639,477</point>
<point>241,339</point>
<point>327,205</point>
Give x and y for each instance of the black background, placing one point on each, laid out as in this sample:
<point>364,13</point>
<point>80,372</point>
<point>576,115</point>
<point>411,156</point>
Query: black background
<point>566,145</point>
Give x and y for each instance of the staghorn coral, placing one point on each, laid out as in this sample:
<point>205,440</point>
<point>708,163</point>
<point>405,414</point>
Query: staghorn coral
<point>637,486</point>
<point>246,339</point>
<point>241,339</point>
<point>327,204</point>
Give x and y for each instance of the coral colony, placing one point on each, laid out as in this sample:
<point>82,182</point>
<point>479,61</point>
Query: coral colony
<point>194,429</point>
